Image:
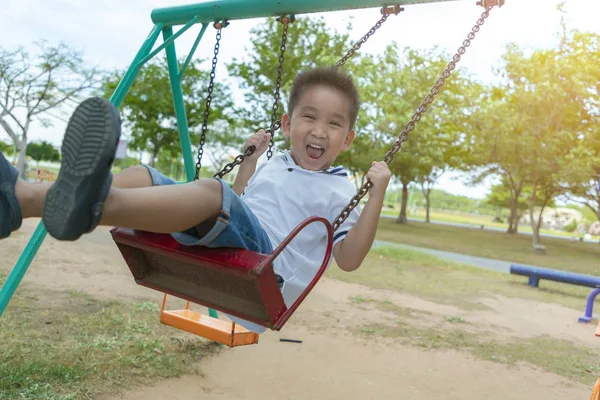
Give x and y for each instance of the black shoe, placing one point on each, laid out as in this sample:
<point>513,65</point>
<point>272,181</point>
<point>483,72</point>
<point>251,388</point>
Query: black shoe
<point>10,210</point>
<point>75,201</point>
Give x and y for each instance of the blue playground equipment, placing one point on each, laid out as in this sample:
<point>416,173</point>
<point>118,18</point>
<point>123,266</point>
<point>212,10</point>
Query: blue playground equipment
<point>535,274</point>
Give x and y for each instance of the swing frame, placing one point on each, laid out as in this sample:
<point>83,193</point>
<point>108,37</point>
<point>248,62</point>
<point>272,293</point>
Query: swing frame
<point>164,19</point>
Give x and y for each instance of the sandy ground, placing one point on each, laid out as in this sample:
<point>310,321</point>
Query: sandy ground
<point>330,363</point>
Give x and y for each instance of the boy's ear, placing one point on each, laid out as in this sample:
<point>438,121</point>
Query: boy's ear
<point>286,124</point>
<point>349,139</point>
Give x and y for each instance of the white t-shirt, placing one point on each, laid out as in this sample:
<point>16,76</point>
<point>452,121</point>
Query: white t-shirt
<point>281,194</point>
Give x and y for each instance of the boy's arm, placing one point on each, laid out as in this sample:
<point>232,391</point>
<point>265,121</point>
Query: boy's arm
<point>352,250</point>
<point>247,168</point>
<point>260,140</point>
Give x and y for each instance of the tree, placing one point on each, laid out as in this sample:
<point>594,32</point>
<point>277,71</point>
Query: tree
<point>401,80</point>
<point>33,86</point>
<point>148,110</point>
<point>587,193</point>
<point>42,151</point>
<point>496,147</point>
<point>531,129</point>
<point>544,88</point>
<point>582,49</point>
<point>501,197</point>
<point>426,183</point>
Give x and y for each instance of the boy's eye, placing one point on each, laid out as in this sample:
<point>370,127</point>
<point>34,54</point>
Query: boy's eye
<point>309,116</point>
<point>335,123</point>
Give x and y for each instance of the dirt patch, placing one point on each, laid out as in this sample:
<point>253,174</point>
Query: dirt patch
<point>330,363</point>
<point>324,367</point>
<point>526,318</point>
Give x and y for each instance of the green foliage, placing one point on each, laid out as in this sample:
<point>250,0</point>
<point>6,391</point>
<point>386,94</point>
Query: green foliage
<point>399,80</point>
<point>442,200</point>
<point>43,151</point>
<point>6,148</point>
<point>499,197</point>
<point>310,42</point>
<point>539,128</point>
<point>571,227</point>
<point>149,113</point>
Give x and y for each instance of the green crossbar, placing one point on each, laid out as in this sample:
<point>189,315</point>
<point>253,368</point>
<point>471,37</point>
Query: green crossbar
<point>210,11</point>
<point>164,19</point>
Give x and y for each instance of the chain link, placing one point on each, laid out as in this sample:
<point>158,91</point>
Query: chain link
<point>386,13</point>
<point>276,124</point>
<point>236,161</point>
<point>211,82</point>
<point>397,146</point>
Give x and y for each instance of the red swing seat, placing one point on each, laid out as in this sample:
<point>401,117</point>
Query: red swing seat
<point>237,282</point>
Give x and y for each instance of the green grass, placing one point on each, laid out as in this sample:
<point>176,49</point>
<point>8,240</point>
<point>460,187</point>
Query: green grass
<point>478,220</point>
<point>561,254</point>
<point>87,348</point>
<point>443,282</point>
<point>558,356</point>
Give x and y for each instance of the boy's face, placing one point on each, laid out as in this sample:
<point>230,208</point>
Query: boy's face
<point>319,128</point>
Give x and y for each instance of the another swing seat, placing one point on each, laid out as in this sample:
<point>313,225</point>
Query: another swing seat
<point>218,330</point>
<point>237,282</point>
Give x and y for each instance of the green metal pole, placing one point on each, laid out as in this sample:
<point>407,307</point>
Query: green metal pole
<point>182,122</point>
<point>218,10</point>
<point>187,26</point>
<point>18,272</point>
<point>134,67</point>
<point>192,51</point>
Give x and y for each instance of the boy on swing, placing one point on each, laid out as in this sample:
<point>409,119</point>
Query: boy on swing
<point>259,211</point>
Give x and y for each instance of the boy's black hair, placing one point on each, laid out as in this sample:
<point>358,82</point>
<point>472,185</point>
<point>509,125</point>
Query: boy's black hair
<point>331,76</point>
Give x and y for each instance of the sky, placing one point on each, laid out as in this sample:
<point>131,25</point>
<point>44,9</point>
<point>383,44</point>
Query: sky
<point>110,32</point>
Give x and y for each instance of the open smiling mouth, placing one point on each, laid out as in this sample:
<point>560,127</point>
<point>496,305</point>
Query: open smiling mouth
<point>315,151</point>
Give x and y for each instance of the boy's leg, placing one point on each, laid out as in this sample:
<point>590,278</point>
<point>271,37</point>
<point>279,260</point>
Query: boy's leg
<point>82,196</point>
<point>133,177</point>
<point>31,196</point>
<point>164,209</point>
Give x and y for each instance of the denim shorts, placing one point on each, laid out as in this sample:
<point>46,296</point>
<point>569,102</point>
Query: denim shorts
<point>235,227</point>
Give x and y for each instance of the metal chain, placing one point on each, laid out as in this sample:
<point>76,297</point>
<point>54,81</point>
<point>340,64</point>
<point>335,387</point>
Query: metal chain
<point>386,11</point>
<point>275,125</point>
<point>236,161</point>
<point>219,26</point>
<point>397,146</point>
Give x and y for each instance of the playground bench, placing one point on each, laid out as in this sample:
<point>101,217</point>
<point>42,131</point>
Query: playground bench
<point>536,273</point>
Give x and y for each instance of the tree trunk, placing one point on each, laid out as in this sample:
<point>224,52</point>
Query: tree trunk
<point>515,193</point>
<point>514,215</point>
<point>427,194</point>
<point>534,227</point>
<point>402,219</point>
<point>537,247</point>
<point>22,158</point>
<point>516,224</point>
<point>154,154</point>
